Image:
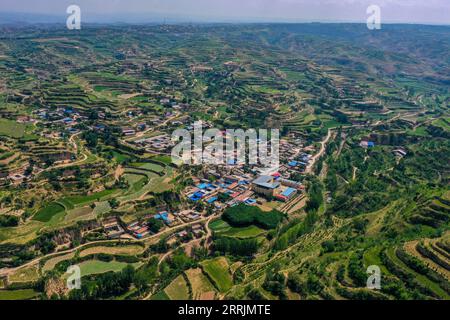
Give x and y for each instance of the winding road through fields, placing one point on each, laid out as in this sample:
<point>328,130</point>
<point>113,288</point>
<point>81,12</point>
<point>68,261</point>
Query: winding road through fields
<point>317,156</point>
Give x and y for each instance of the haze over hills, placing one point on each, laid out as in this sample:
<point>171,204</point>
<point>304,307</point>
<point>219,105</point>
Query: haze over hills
<point>139,11</point>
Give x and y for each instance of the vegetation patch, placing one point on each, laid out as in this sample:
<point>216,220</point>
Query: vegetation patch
<point>117,250</point>
<point>178,289</point>
<point>11,128</point>
<point>199,283</point>
<point>97,267</point>
<point>23,294</point>
<point>243,216</point>
<point>29,274</point>
<point>161,295</point>
<point>218,271</point>
<point>48,212</point>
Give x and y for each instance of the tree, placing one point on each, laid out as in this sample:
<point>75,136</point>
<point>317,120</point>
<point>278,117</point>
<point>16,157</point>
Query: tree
<point>114,203</point>
<point>155,225</point>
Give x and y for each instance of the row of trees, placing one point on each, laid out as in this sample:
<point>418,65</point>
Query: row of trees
<point>243,216</point>
<point>243,248</point>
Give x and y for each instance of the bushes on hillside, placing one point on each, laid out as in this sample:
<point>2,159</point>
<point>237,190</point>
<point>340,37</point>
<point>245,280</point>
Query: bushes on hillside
<point>244,216</point>
<point>294,230</point>
<point>104,286</point>
<point>356,270</point>
<point>9,221</point>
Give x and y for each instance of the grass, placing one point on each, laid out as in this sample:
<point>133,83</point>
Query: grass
<point>163,159</point>
<point>160,296</point>
<point>6,155</point>
<point>224,229</point>
<point>444,124</point>
<point>23,294</point>
<point>120,158</point>
<point>25,275</point>
<point>11,129</point>
<point>83,200</point>
<point>149,166</point>
<point>372,258</point>
<point>47,213</point>
<point>21,234</point>
<point>217,270</point>
<point>244,233</point>
<point>135,181</point>
<point>122,250</point>
<point>98,267</point>
<point>177,289</point>
<point>419,132</point>
<point>219,225</point>
<point>79,213</point>
<point>154,184</point>
<point>67,204</point>
<point>101,208</point>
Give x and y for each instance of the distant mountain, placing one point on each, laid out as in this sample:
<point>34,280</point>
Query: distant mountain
<point>18,18</point>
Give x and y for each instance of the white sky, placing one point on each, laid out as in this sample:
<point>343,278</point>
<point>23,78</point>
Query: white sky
<point>408,11</point>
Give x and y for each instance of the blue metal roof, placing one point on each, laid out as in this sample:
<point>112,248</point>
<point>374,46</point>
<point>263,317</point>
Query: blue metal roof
<point>288,192</point>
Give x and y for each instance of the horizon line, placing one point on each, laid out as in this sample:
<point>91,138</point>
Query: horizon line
<point>176,20</point>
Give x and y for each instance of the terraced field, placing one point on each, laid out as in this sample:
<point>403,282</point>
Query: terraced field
<point>117,250</point>
<point>201,286</point>
<point>218,271</point>
<point>416,280</point>
<point>178,289</point>
<point>52,262</point>
<point>29,274</point>
<point>97,267</point>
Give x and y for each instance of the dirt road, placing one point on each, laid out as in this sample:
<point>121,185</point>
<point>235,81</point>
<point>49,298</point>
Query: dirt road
<point>317,156</point>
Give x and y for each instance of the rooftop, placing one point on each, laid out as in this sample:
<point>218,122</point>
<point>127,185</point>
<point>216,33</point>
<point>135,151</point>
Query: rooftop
<point>266,182</point>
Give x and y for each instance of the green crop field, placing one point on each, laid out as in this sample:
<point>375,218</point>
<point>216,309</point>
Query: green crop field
<point>177,289</point>
<point>24,294</point>
<point>48,212</point>
<point>243,233</point>
<point>218,271</point>
<point>222,228</point>
<point>82,200</point>
<point>149,166</point>
<point>91,267</point>
<point>11,128</point>
<point>161,295</point>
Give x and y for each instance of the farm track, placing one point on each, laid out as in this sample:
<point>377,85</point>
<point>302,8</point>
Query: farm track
<point>317,156</point>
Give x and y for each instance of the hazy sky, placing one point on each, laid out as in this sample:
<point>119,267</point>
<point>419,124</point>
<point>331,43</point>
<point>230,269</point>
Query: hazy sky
<point>409,11</point>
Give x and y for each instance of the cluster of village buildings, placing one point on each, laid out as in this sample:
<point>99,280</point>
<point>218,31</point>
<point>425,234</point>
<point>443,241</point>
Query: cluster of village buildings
<point>217,187</point>
<point>221,186</point>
